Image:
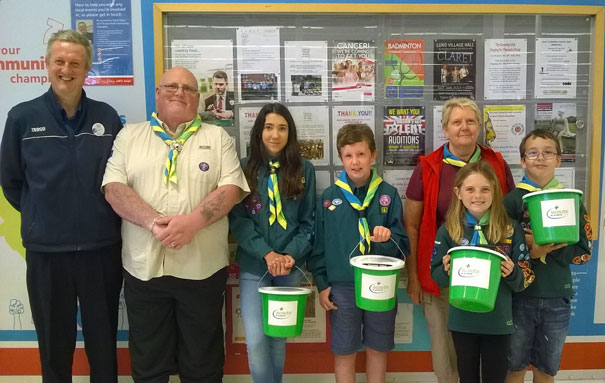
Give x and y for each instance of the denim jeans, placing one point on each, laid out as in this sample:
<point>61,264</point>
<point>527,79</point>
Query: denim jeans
<point>351,326</point>
<point>266,355</point>
<point>541,326</point>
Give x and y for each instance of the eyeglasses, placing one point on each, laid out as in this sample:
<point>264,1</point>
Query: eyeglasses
<point>547,155</point>
<point>172,88</point>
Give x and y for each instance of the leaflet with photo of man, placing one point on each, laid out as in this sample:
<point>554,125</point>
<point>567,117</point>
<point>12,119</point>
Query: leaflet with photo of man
<point>211,62</point>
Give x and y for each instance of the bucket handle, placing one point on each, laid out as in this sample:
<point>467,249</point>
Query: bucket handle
<point>358,243</point>
<point>267,272</point>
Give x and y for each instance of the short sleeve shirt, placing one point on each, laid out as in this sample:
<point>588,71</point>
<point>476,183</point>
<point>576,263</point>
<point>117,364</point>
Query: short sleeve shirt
<point>415,190</point>
<point>207,161</point>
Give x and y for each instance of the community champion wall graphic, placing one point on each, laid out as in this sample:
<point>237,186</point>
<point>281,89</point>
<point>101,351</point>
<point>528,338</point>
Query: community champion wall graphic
<point>23,67</point>
<point>15,314</point>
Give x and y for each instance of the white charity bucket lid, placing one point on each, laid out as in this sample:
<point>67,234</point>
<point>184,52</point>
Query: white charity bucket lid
<point>377,262</point>
<point>284,290</point>
<point>551,191</point>
<point>478,248</point>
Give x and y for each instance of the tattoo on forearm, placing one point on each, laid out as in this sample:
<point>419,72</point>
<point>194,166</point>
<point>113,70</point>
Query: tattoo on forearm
<point>213,206</point>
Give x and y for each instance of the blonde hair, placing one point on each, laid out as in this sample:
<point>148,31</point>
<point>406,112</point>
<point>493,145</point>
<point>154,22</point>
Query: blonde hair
<point>462,103</point>
<point>456,213</point>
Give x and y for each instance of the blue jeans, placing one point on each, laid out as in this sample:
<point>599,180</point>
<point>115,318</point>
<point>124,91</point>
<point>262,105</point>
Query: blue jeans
<point>541,326</point>
<point>266,355</point>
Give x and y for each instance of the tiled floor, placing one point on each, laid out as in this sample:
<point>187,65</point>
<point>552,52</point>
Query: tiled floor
<point>589,376</point>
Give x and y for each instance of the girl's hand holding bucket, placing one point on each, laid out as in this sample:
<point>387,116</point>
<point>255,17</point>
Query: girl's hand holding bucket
<point>446,263</point>
<point>279,264</point>
<point>507,267</point>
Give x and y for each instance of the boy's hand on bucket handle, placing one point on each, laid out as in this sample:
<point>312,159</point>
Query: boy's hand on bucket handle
<point>507,267</point>
<point>446,263</point>
<point>324,300</point>
<point>381,234</point>
<point>540,251</point>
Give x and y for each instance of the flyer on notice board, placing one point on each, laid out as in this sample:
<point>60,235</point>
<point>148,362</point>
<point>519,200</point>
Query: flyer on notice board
<point>207,59</point>
<point>353,71</point>
<point>342,115</point>
<point>561,119</point>
<point>454,69</point>
<point>107,24</point>
<point>403,69</point>
<point>404,134</point>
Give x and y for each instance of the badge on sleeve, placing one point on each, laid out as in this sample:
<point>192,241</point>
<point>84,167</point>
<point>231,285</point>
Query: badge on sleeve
<point>253,203</point>
<point>510,231</point>
<point>384,200</point>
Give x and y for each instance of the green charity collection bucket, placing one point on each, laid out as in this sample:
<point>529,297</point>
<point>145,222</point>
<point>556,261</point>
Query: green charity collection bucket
<point>376,278</point>
<point>554,215</point>
<point>283,310</point>
<point>474,278</point>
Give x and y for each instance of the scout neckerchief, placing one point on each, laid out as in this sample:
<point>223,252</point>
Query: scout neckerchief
<point>274,197</point>
<point>364,230</point>
<point>175,145</point>
<point>478,236</point>
<point>531,186</point>
<point>451,159</point>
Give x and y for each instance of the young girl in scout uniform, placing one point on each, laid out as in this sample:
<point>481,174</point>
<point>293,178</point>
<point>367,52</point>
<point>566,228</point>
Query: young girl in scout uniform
<point>273,227</point>
<point>360,214</point>
<point>476,216</point>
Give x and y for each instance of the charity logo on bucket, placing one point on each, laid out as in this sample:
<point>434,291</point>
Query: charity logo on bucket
<point>468,271</point>
<point>282,313</point>
<point>558,212</point>
<point>378,287</point>
<point>471,272</point>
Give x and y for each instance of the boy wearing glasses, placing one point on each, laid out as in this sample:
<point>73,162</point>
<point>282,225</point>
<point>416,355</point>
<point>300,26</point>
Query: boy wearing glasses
<point>541,312</point>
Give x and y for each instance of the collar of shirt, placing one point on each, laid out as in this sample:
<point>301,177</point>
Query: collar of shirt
<point>69,122</point>
<point>360,192</point>
<point>179,129</point>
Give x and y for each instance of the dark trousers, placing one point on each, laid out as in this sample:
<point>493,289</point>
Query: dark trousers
<point>56,284</point>
<point>481,357</point>
<point>176,327</point>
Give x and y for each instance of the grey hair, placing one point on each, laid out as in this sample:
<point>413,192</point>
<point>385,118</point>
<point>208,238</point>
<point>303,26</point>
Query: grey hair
<point>71,37</point>
<point>462,103</point>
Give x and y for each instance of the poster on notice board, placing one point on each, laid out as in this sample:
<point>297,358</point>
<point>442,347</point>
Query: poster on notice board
<point>107,24</point>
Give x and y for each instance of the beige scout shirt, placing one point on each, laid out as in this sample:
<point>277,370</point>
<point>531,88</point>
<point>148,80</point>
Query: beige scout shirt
<point>208,160</point>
